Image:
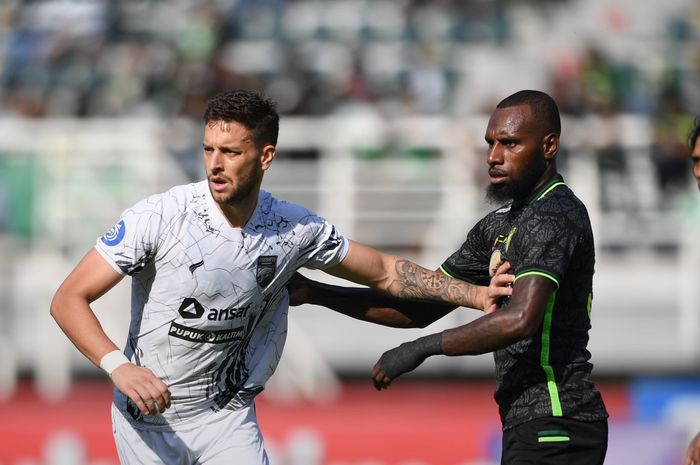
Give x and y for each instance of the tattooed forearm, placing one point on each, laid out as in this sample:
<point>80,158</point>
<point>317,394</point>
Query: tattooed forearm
<point>418,283</point>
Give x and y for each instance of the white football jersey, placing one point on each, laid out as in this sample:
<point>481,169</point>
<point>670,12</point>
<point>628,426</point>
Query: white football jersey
<point>208,301</point>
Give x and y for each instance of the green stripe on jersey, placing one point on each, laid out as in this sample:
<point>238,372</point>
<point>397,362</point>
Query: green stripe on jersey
<point>544,357</point>
<point>590,303</point>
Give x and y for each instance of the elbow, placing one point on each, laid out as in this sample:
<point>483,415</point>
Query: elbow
<point>54,308</point>
<point>59,304</point>
<point>523,326</point>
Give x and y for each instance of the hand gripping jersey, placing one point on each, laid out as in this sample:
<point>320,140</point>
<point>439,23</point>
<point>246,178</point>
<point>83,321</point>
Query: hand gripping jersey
<point>548,235</point>
<point>209,304</point>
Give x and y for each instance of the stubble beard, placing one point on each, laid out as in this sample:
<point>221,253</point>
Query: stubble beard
<point>243,191</point>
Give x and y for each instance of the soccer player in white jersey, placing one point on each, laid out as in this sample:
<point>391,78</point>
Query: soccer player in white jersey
<point>209,263</point>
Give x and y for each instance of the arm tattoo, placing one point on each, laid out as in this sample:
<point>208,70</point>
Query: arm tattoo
<point>417,283</point>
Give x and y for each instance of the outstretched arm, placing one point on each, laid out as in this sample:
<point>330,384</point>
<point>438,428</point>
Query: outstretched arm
<point>495,330</point>
<point>404,279</point>
<point>70,307</point>
<point>370,305</point>
<point>365,304</point>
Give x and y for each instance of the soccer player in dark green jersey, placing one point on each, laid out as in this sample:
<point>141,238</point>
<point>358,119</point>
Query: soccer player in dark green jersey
<point>550,410</point>
<point>693,455</point>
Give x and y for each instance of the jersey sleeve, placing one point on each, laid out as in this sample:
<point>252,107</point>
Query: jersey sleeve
<point>133,242</point>
<point>324,246</point>
<point>547,247</point>
<point>470,262</point>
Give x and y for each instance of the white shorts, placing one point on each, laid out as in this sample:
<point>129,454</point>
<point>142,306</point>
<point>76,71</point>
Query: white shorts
<point>232,437</point>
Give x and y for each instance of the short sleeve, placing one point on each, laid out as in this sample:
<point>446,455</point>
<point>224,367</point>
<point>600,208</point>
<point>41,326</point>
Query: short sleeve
<point>548,246</point>
<point>133,241</point>
<point>324,246</point>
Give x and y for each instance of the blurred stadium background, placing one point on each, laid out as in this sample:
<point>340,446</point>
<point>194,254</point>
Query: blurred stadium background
<point>383,104</point>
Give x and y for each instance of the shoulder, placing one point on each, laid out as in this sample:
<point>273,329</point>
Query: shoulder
<point>562,202</point>
<point>172,202</point>
<point>561,213</point>
<point>292,212</point>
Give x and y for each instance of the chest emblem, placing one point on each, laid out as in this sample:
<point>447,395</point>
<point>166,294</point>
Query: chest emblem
<point>265,271</point>
<point>500,247</point>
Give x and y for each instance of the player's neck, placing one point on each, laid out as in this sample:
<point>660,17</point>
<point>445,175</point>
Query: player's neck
<point>238,214</point>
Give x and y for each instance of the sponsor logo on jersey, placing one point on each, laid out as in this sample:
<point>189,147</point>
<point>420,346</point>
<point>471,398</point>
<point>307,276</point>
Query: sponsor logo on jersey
<point>265,272</point>
<point>115,235</point>
<point>218,314</point>
<point>200,335</point>
<point>190,309</point>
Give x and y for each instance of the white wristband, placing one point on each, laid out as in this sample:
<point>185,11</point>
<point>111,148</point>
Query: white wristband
<point>112,360</point>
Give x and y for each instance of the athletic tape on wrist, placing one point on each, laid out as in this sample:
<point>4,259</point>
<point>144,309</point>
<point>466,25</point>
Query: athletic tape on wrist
<point>112,360</point>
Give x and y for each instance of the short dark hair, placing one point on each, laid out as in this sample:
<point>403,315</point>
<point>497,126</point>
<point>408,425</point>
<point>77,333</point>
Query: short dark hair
<point>543,107</point>
<point>249,108</point>
<point>694,133</point>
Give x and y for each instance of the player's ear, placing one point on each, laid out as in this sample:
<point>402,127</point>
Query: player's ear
<point>267,155</point>
<point>550,145</point>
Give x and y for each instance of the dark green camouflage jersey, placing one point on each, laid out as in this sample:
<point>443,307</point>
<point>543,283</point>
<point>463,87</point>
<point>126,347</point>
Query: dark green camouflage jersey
<point>549,235</point>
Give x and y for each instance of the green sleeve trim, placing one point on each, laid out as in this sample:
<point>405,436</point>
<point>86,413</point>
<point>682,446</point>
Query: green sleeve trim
<point>554,439</point>
<point>446,272</point>
<point>549,189</point>
<point>538,273</point>
<point>544,357</point>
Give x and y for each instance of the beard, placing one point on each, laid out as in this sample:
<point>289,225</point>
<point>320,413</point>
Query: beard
<point>517,189</point>
<point>244,189</point>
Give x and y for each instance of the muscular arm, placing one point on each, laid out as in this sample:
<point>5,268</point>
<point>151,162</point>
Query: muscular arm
<point>404,279</point>
<point>70,307</point>
<point>496,330</point>
<point>367,266</point>
<point>366,304</point>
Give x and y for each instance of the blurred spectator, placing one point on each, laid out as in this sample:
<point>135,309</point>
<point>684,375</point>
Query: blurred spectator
<point>598,75</point>
<point>50,56</point>
<point>602,98</point>
<point>669,151</point>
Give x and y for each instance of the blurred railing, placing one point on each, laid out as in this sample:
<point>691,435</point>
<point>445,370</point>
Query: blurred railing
<point>409,186</point>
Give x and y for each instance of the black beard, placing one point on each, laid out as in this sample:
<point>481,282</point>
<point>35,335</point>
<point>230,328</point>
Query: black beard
<point>502,193</point>
<point>515,190</point>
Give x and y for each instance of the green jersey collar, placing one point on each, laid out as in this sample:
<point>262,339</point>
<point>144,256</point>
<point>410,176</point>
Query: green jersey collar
<point>556,181</point>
